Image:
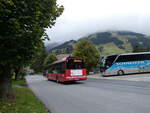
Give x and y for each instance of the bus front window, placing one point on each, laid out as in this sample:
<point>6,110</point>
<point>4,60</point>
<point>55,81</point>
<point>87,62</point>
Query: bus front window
<point>75,64</point>
<point>103,65</point>
<point>107,62</point>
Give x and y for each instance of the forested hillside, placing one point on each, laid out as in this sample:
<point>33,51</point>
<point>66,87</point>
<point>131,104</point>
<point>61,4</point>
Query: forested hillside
<point>109,42</point>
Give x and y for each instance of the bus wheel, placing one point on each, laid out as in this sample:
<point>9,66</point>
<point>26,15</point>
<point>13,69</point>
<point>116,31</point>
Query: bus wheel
<point>120,72</point>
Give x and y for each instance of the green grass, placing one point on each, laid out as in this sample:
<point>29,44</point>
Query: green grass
<point>25,101</point>
<point>111,48</point>
<point>18,82</point>
<point>124,39</point>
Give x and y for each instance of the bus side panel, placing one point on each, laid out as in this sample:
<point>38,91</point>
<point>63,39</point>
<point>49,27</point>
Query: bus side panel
<point>51,76</point>
<point>67,72</point>
<point>84,72</point>
<point>84,76</point>
<point>126,67</point>
<point>146,66</point>
<point>61,77</point>
<point>129,67</point>
<point>56,76</point>
<point>112,70</point>
<point>69,75</point>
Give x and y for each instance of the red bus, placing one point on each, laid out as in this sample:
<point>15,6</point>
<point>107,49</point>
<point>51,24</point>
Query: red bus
<point>67,69</point>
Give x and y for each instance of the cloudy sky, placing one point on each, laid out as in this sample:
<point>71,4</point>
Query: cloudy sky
<point>82,17</point>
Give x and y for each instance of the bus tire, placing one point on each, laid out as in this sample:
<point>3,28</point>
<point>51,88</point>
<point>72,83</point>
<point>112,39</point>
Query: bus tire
<point>120,72</point>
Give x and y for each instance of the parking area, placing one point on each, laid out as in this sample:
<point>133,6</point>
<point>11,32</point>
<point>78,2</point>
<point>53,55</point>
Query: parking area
<point>134,77</point>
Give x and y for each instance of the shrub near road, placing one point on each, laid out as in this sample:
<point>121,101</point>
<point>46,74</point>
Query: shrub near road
<point>25,101</point>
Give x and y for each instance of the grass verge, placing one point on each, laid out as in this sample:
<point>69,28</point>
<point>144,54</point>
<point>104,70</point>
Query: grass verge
<point>25,101</point>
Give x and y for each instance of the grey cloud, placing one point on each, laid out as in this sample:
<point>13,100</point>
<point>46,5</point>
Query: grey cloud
<point>73,29</point>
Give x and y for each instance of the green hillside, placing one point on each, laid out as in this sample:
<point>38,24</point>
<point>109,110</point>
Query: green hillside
<point>111,42</point>
<point>110,48</point>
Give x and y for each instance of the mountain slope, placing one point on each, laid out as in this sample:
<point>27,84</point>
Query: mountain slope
<point>66,47</point>
<point>49,46</point>
<point>109,42</point>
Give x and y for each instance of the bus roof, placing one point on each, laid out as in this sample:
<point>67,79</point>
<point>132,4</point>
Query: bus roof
<point>128,54</point>
<point>61,58</point>
<point>135,53</point>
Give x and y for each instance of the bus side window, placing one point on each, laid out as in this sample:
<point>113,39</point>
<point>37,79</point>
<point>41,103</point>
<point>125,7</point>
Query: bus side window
<point>60,67</point>
<point>49,70</point>
<point>146,57</point>
<point>139,57</point>
<point>121,59</point>
<point>127,58</point>
<point>63,67</point>
<point>54,69</point>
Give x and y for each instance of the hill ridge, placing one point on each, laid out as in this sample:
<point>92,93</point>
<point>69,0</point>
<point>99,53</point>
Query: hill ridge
<point>123,41</point>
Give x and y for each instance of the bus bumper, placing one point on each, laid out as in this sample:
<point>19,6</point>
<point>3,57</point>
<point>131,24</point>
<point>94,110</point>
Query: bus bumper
<point>75,78</point>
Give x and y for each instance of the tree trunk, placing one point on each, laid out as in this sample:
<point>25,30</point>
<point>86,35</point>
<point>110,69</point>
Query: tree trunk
<point>22,73</point>
<point>5,83</point>
<point>17,73</point>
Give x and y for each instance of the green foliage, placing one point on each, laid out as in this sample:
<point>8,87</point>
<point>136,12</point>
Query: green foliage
<point>19,82</point>
<point>49,59</point>
<point>22,31</point>
<point>110,48</point>
<point>25,101</point>
<point>22,28</point>
<point>140,49</point>
<point>22,74</point>
<point>87,50</point>
<point>38,60</point>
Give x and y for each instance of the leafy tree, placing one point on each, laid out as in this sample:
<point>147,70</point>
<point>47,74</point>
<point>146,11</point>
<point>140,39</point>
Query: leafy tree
<point>87,50</point>
<point>49,59</point>
<point>37,63</point>
<point>101,49</point>
<point>22,31</point>
<point>19,72</point>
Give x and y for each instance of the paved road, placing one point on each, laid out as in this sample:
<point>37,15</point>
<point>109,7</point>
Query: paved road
<point>93,95</point>
<point>134,77</point>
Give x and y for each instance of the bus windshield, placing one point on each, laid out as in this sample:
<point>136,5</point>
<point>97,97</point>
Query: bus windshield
<point>108,61</point>
<point>75,64</point>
